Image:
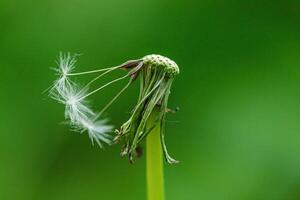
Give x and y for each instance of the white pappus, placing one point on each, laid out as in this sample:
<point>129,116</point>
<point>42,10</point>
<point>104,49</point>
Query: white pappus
<point>77,111</point>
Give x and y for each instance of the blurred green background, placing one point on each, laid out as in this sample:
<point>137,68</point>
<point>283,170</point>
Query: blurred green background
<point>236,135</point>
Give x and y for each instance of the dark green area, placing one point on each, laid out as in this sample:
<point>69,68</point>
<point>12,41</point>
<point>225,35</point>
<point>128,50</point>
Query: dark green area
<point>237,134</point>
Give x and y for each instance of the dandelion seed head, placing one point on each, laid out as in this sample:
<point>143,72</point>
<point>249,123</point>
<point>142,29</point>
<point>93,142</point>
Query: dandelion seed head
<point>166,64</point>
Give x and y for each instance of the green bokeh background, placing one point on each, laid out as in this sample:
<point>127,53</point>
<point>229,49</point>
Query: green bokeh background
<point>236,135</point>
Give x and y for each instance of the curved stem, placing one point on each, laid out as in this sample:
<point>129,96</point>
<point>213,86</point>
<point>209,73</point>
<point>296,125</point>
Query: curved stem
<point>154,159</point>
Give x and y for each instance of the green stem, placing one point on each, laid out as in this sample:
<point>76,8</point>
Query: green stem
<point>154,159</point>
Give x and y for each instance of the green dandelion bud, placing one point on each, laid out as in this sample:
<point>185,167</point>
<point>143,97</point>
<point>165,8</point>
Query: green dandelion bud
<point>156,76</point>
<point>165,64</point>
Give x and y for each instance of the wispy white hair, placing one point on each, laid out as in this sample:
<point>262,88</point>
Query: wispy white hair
<point>97,130</point>
<point>77,111</point>
<point>66,63</point>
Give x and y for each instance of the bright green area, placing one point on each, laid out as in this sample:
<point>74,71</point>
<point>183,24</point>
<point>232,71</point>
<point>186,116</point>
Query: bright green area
<point>237,134</point>
<point>154,161</point>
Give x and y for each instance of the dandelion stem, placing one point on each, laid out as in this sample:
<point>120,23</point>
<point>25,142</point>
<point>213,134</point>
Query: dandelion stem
<point>154,159</point>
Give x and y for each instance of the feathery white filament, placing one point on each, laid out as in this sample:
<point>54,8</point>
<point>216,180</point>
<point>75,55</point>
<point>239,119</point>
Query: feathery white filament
<point>77,111</point>
<point>97,131</point>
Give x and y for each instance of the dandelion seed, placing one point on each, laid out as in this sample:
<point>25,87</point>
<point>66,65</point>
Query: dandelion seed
<point>97,131</point>
<point>77,108</point>
<point>77,111</point>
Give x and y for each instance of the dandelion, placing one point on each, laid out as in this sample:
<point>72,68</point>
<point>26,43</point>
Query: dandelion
<point>147,118</point>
